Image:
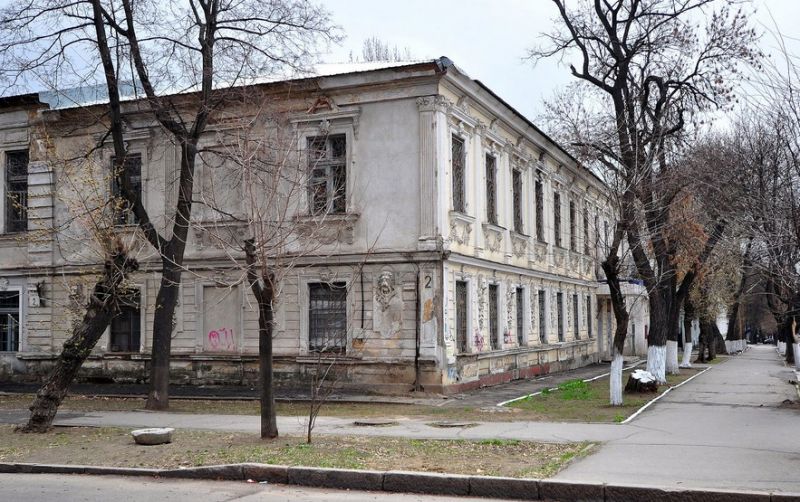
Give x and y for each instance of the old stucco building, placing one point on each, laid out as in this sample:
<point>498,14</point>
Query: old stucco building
<point>458,246</point>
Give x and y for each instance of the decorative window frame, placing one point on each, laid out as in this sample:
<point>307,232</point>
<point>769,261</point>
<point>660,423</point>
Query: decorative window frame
<point>471,299</point>
<point>8,148</point>
<point>304,301</point>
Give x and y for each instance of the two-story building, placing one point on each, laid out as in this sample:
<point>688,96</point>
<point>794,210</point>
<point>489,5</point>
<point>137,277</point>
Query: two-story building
<point>456,244</point>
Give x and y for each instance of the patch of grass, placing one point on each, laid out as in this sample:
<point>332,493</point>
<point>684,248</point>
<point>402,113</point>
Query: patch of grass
<point>114,447</point>
<point>578,401</point>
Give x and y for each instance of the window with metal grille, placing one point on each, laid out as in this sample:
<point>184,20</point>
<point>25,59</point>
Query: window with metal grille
<point>17,191</point>
<point>327,317</point>
<point>589,315</point>
<point>520,317</point>
<point>491,189</point>
<point>493,338</point>
<point>9,321</point>
<point>458,160</point>
<point>461,316</point>
<point>125,333</point>
<point>557,218</point>
<point>607,244</point>
<point>132,168</point>
<point>560,314</point>
<point>575,324</point>
<point>596,233</point>
<point>539,211</point>
<point>327,184</point>
<point>542,317</point>
<point>586,246</point>
<point>573,230</point>
<point>516,194</point>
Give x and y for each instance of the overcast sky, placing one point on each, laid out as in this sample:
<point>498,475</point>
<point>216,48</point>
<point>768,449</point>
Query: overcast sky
<point>488,38</point>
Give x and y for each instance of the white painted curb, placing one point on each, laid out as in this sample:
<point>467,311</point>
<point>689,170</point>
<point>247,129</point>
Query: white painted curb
<point>647,404</point>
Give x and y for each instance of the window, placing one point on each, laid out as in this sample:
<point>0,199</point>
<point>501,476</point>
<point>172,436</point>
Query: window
<point>17,191</point>
<point>9,321</point>
<point>491,189</point>
<point>459,160</point>
<point>461,316</point>
<point>520,316</point>
<point>596,232</point>
<point>575,317</point>
<point>560,312</point>
<point>542,317</point>
<point>516,194</point>
<point>586,246</point>
<point>589,315</point>
<point>125,332</point>
<point>573,230</point>
<point>493,338</point>
<point>607,245</point>
<point>327,162</point>
<point>327,317</point>
<point>557,218</point>
<point>132,168</point>
<point>539,211</point>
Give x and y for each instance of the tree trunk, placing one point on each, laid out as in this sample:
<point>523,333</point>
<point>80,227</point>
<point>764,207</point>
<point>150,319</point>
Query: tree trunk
<point>163,325</point>
<point>269,424</point>
<point>101,309</point>
<point>688,314</point>
<point>611,269</point>
<point>660,300</point>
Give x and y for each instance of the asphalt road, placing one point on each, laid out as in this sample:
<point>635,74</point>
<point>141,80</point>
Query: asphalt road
<point>75,488</point>
<point>725,429</point>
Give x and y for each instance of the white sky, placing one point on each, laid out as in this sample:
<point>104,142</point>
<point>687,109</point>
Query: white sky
<point>488,38</point>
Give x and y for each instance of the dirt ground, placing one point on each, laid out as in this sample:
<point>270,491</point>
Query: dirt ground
<point>115,447</point>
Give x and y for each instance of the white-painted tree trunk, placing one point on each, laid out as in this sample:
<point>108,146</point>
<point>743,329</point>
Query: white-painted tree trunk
<point>796,348</point>
<point>672,357</point>
<point>687,355</point>
<point>615,379</point>
<point>656,362</point>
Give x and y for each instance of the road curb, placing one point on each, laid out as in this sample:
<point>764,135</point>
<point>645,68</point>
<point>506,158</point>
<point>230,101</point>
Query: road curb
<point>417,482</point>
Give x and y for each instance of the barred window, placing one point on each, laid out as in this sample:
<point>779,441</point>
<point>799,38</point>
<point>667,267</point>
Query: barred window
<point>542,317</point>
<point>327,163</point>
<point>493,317</point>
<point>125,332</point>
<point>586,243</point>
<point>520,316</point>
<point>539,211</point>
<point>516,194</point>
<point>461,316</point>
<point>589,315</point>
<point>327,313</point>
<point>132,168</point>
<point>9,321</point>
<point>575,318</point>
<point>458,154</point>
<point>17,191</point>
<point>491,189</point>
<point>560,314</point>
<point>573,230</point>
<point>557,218</point>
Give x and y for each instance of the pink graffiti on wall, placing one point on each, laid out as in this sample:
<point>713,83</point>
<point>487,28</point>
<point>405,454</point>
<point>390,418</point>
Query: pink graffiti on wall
<point>221,339</point>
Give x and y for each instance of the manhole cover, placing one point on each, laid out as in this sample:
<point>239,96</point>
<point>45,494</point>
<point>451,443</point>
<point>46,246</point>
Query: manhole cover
<point>446,425</point>
<point>374,423</point>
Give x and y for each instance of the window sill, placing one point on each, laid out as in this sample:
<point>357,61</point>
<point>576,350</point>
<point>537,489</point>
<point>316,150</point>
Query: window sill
<point>12,240</point>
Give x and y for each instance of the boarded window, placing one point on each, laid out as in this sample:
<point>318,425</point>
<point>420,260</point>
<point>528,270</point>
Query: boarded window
<point>542,317</point>
<point>491,189</point>
<point>327,317</point>
<point>327,185</point>
<point>557,218</point>
<point>132,169</point>
<point>575,324</point>
<point>493,321</point>
<point>516,194</point>
<point>17,191</point>
<point>125,332</point>
<point>560,314</point>
<point>458,159</point>
<point>573,228</point>
<point>9,321</point>
<point>222,309</point>
<point>461,316</point>
<point>520,317</point>
<point>539,211</point>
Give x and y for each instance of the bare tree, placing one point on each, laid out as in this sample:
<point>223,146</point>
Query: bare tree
<point>373,49</point>
<point>651,70</point>
<point>179,57</point>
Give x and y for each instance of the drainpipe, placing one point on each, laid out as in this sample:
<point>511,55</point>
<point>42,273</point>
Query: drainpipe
<point>417,386</point>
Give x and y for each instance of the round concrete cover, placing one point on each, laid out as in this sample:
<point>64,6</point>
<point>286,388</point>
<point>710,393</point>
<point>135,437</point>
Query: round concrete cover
<point>153,436</point>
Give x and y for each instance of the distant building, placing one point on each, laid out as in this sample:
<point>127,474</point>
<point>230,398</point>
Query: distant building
<point>458,249</point>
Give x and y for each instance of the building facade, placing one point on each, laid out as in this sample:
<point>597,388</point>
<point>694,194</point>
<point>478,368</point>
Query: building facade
<point>456,245</point>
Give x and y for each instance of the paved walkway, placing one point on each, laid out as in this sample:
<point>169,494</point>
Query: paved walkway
<point>724,429</point>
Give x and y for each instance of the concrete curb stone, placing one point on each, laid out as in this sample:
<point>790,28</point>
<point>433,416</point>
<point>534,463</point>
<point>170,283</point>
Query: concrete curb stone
<point>507,488</point>
<point>429,483</point>
<point>785,497</point>
<point>230,472</point>
<point>620,493</point>
<point>571,491</point>
<point>121,471</point>
<point>347,479</point>
<point>265,472</point>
